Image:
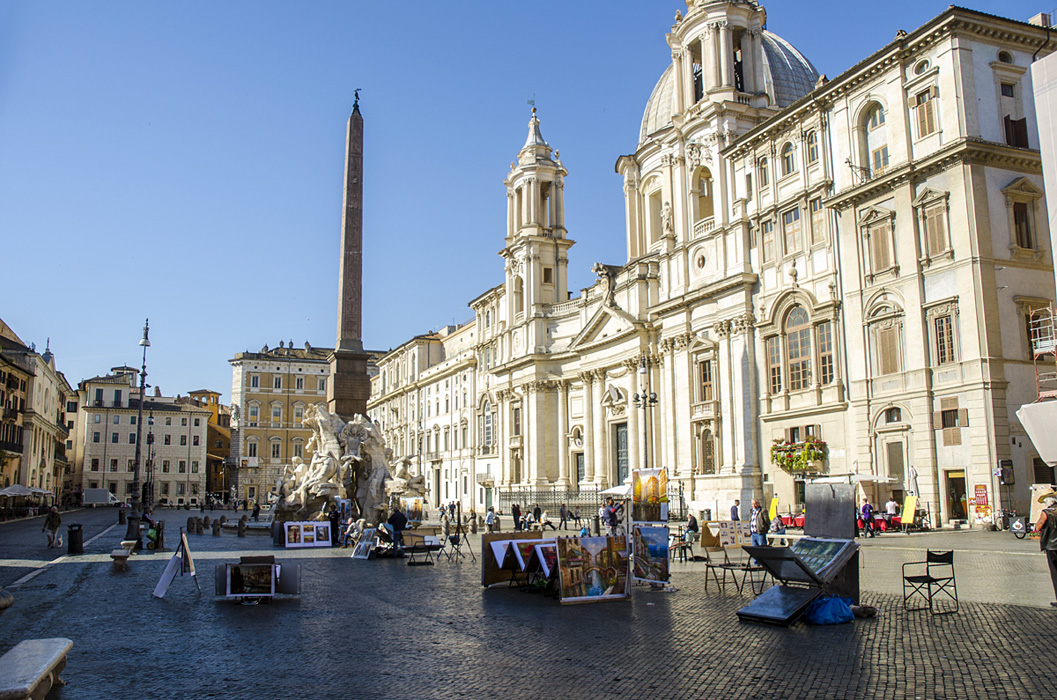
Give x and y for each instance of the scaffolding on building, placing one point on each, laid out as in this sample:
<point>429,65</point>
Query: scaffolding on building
<point>1042,332</point>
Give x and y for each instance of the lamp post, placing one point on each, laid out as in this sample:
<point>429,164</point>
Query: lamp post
<point>646,400</point>
<point>148,487</point>
<point>133,521</point>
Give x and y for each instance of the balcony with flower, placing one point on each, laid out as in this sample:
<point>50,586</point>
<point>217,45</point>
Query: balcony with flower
<point>799,457</point>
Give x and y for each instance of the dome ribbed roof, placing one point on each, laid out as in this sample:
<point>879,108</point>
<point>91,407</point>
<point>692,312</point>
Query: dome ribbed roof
<point>788,76</point>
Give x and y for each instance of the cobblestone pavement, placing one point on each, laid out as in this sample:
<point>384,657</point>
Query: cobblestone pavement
<point>380,629</point>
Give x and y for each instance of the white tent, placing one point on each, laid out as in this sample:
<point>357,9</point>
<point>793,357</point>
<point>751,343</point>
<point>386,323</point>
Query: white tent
<point>1038,420</point>
<point>622,491</point>
<point>853,479</point>
<point>16,490</point>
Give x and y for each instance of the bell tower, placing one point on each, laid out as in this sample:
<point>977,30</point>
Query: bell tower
<point>536,251</point>
<point>717,53</point>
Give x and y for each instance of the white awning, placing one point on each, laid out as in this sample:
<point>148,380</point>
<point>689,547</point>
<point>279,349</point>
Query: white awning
<point>1039,420</point>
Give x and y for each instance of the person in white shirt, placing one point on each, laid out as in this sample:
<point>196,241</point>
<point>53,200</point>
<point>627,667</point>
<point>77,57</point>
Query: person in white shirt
<point>891,510</point>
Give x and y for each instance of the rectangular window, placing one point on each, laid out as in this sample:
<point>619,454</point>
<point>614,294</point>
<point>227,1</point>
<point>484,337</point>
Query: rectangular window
<point>168,420</point>
<point>936,229</point>
<point>944,339</point>
<point>824,332</point>
<point>183,439</point>
<point>277,414</point>
<point>704,374</point>
<point>194,467</point>
<point>299,383</point>
<point>113,465</point>
<point>774,364</point>
<point>117,420</point>
<point>799,344</point>
<point>167,439</point>
<point>117,397</point>
<point>791,230</point>
<point>888,349</point>
<point>132,420</point>
<point>254,415</point>
<point>548,275</point>
<point>113,438</point>
<point>198,422</point>
<point>165,488</point>
<point>194,440</point>
<point>516,427</point>
<point>1022,225</point>
<point>818,221</point>
<point>97,418</point>
<point>951,420</point>
<point>748,186</point>
<point>879,247</point>
<point>130,464</point>
<point>182,467</point>
<point>879,160</point>
<point>812,147</point>
<point>95,436</point>
<point>166,466</point>
<point>764,176</point>
<point>925,104</point>
<point>768,240</point>
<point>1042,472</point>
<point>255,381</point>
<point>95,464</point>
<point>894,455</point>
<point>183,421</point>
<point>251,449</point>
<point>1007,91</point>
<point>132,438</point>
<point>277,382</point>
<point>98,397</point>
<point>276,450</point>
<point>299,449</point>
<point>322,384</point>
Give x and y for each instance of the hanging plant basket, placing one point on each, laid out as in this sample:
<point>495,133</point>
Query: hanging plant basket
<point>798,457</point>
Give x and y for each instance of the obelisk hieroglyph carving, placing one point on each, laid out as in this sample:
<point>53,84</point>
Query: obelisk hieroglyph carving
<point>350,386</point>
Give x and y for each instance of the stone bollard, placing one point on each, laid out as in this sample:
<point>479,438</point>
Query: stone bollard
<point>223,519</point>
<point>242,526</point>
<point>159,526</point>
<point>190,525</point>
<point>216,528</point>
<point>205,521</point>
<point>198,526</point>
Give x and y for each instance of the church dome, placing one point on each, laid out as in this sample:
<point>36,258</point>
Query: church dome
<point>788,76</point>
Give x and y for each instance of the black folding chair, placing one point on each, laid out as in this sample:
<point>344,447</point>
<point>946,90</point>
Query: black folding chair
<point>930,580</point>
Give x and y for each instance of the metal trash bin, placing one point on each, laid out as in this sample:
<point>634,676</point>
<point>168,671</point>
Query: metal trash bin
<point>122,515</point>
<point>74,539</point>
<point>596,525</point>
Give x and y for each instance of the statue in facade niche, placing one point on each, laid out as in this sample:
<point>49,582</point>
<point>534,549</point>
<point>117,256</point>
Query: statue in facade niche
<point>349,460</point>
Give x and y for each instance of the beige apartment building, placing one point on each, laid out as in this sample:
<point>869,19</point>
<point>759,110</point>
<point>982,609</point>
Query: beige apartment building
<point>270,391</point>
<point>823,277</point>
<point>173,454</point>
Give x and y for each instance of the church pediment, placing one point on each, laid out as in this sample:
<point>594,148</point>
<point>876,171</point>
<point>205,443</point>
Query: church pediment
<point>606,323</point>
<point>1024,188</point>
<point>872,215</point>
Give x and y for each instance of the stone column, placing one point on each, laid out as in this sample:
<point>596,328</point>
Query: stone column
<point>635,444</point>
<point>680,77</point>
<point>563,434</point>
<point>757,60</point>
<point>601,474</point>
<point>726,55</point>
<point>589,426</point>
<point>747,76</point>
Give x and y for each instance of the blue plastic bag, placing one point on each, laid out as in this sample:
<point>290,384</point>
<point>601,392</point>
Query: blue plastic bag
<point>830,610</point>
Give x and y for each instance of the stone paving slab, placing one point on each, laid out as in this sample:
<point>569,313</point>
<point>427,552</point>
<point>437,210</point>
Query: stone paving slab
<point>380,629</point>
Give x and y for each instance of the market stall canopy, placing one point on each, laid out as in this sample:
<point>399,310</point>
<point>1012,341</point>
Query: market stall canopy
<point>853,479</point>
<point>16,490</point>
<point>40,492</point>
<point>623,491</point>
<point>1038,420</point>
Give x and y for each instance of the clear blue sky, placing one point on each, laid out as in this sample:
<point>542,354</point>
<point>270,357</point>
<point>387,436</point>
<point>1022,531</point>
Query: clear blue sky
<point>184,160</point>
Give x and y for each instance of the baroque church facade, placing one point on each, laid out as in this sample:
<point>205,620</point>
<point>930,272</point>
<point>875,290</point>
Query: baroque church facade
<point>823,278</point>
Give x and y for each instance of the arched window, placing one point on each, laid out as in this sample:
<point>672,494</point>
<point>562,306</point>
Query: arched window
<point>788,159</point>
<point>798,348</point>
<point>519,296</point>
<point>874,145</point>
<point>764,177</point>
<point>812,147</point>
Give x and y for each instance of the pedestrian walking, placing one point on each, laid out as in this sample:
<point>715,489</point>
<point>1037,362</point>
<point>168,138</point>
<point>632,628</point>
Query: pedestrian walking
<point>866,512</point>
<point>734,510</point>
<point>759,523</point>
<point>515,512</point>
<point>489,519</point>
<point>611,515</point>
<point>576,517</point>
<point>564,517</point>
<point>51,526</point>
<point>1047,529</point>
<point>256,511</point>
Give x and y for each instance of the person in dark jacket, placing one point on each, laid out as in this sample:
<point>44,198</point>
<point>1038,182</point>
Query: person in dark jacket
<point>1047,529</point>
<point>51,525</point>
<point>515,511</point>
<point>398,521</point>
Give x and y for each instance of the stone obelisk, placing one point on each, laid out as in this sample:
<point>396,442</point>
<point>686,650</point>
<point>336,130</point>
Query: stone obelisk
<point>350,385</point>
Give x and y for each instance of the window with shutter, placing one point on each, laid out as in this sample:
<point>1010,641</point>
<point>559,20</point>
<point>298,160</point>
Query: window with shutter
<point>925,104</point>
<point>888,349</point>
<point>944,329</point>
<point>936,229</point>
<point>879,247</point>
<point>894,458</point>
